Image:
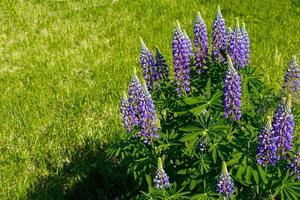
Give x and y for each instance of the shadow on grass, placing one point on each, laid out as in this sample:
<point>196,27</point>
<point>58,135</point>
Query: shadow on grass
<point>89,175</point>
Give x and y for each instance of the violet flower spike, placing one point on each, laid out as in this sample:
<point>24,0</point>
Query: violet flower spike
<point>150,73</point>
<point>161,179</point>
<point>236,47</point>
<point>292,79</point>
<point>181,57</point>
<point>201,43</point>
<point>134,91</point>
<point>266,151</point>
<point>161,65</point>
<point>219,37</point>
<point>283,128</point>
<point>246,45</point>
<point>147,113</point>
<point>127,121</point>
<point>225,185</point>
<point>295,165</point>
<point>232,93</point>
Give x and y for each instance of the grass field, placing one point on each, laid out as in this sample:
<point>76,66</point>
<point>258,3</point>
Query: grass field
<point>64,65</point>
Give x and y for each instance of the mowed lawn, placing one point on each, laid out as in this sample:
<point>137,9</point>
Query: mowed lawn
<point>64,64</point>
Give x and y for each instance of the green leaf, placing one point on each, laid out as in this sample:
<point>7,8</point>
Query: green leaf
<point>248,174</point>
<point>256,177</point>
<point>189,137</point>
<point>189,128</point>
<point>194,100</point>
<point>198,110</point>
<point>241,171</point>
<point>193,184</point>
<point>262,174</point>
<point>236,158</point>
<point>182,172</point>
<point>214,155</point>
<point>149,181</point>
<point>208,88</point>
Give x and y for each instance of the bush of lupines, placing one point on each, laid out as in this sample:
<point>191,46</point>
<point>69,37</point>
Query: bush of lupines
<point>215,130</point>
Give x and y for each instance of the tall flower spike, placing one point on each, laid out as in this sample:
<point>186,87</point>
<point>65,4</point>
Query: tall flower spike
<point>147,116</point>
<point>246,45</point>
<point>283,128</point>
<point>219,37</point>
<point>232,93</point>
<point>134,92</point>
<point>228,35</point>
<point>236,46</point>
<point>225,185</point>
<point>295,165</point>
<point>126,115</point>
<point>161,65</point>
<point>292,78</point>
<point>149,69</point>
<point>161,179</point>
<point>181,56</point>
<point>201,43</point>
<point>266,151</point>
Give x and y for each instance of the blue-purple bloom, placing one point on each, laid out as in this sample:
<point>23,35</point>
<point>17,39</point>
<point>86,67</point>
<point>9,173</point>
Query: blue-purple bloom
<point>291,81</point>
<point>232,93</point>
<point>182,52</point>
<point>201,43</point>
<point>150,73</point>
<point>266,151</point>
<point>161,179</point>
<point>147,114</point>
<point>219,37</point>
<point>246,46</point>
<point>128,125</point>
<point>236,47</point>
<point>225,185</point>
<point>161,65</point>
<point>295,165</point>
<point>283,128</point>
<point>134,91</point>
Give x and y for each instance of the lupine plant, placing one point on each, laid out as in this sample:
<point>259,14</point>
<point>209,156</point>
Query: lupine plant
<point>213,131</point>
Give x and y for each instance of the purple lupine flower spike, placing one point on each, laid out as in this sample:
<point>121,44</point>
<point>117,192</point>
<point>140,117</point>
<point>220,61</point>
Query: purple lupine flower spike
<point>149,69</point>
<point>283,128</point>
<point>161,65</point>
<point>266,151</point>
<point>161,179</point>
<point>201,43</point>
<point>225,185</point>
<point>181,57</point>
<point>236,47</point>
<point>232,93</point>
<point>128,125</point>
<point>295,165</point>
<point>229,32</point>
<point>147,116</point>
<point>292,79</point>
<point>134,91</point>
<point>246,45</point>
<point>219,37</point>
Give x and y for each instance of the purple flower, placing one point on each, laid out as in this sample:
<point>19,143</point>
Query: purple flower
<point>283,128</point>
<point>291,81</point>
<point>225,185</point>
<point>150,73</point>
<point>201,43</point>
<point>135,89</point>
<point>182,52</point>
<point>161,65</point>
<point>147,114</point>
<point>161,179</point>
<point>236,47</point>
<point>246,46</point>
<point>128,125</point>
<point>295,165</point>
<point>219,37</point>
<point>266,150</point>
<point>232,93</point>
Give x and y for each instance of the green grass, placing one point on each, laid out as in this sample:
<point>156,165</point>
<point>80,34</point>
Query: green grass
<point>64,65</point>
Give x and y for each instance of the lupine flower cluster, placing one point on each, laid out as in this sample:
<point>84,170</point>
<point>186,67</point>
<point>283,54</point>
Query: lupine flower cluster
<point>182,52</point>
<point>246,46</point>
<point>236,46</point>
<point>161,179</point>
<point>201,43</point>
<point>283,128</point>
<point>149,69</point>
<point>266,151</point>
<point>295,165</point>
<point>161,65</point>
<point>219,37</point>
<point>139,110</point>
<point>292,78</point>
<point>225,185</point>
<point>232,93</point>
